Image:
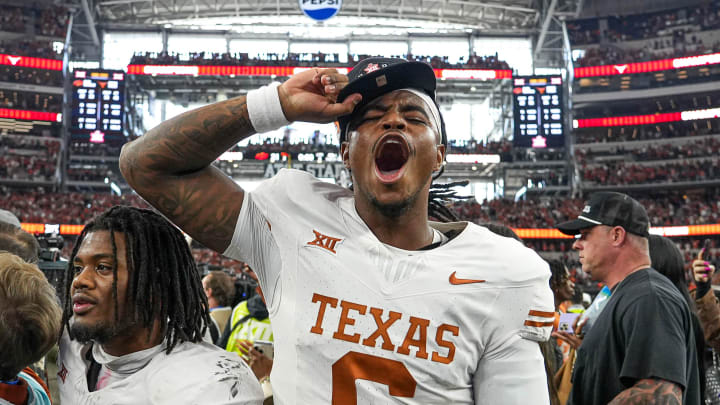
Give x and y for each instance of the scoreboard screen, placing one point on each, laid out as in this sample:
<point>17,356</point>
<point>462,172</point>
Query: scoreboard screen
<point>97,104</point>
<point>538,111</point>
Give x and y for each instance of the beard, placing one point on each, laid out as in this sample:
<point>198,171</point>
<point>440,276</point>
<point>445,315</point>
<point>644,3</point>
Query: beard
<point>396,209</point>
<point>102,331</point>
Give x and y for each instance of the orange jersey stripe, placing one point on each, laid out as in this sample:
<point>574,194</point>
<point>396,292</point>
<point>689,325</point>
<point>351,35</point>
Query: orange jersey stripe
<point>541,314</point>
<point>539,324</point>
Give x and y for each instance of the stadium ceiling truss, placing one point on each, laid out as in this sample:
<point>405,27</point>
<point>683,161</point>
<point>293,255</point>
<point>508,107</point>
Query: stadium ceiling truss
<point>538,19</point>
<point>516,16</point>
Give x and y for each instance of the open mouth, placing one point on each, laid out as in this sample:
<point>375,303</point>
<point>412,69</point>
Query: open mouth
<point>390,157</point>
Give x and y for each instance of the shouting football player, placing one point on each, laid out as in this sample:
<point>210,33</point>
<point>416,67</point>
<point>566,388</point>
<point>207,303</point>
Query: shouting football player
<point>370,301</point>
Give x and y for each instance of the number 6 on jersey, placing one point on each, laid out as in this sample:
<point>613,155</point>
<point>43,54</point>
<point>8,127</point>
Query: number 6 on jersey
<point>359,366</point>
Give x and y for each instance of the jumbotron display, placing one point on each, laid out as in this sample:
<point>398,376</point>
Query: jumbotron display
<point>538,112</point>
<point>97,104</point>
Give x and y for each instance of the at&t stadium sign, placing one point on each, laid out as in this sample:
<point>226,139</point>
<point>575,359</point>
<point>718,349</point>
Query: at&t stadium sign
<point>320,10</point>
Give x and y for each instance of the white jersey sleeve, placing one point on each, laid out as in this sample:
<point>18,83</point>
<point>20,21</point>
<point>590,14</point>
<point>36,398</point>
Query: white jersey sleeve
<point>512,369</point>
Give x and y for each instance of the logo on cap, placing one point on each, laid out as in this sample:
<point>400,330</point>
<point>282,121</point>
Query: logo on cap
<point>371,67</point>
<point>320,10</point>
<point>586,210</point>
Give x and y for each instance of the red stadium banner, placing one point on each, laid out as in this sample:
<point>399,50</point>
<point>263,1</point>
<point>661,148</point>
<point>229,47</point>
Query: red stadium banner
<point>283,71</point>
<point>523,233</point>
<point>647,119</point>
<point>30,115</point>
<point>646,67</point>
<point>30,62</point>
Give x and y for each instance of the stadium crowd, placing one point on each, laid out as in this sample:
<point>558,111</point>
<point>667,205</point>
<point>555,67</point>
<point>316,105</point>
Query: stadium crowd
<point>693,149</point>
<point>669,210</point>
<point>663,210</point>
<point>24,100</point>
<point>627,173</point>
<point>660,49</point>
<point>305,59</point>
<point>28,168</point>
<point>26,47</point>
<point>642,26</point>
<point>84,148</point>
<point>587,136</point>
<point>44,21</point>
<point>92,172</point>
<point>40,77</point>
<point>9,144</point>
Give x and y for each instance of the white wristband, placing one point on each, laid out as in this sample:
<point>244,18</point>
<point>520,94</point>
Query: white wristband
<point>264,108</point>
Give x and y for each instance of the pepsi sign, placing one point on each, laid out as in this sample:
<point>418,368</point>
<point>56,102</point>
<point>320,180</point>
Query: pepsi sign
<point>320,10</point>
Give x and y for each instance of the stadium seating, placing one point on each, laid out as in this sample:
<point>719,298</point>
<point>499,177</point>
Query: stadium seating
<point>295,59</point>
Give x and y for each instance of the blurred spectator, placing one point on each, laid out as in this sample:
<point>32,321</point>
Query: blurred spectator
<point>94,171</point>
<point>42,77</point>
<point>19,242</point>
<point>94,149</point>
<point>646,132</point>
<point>248,324</point>
<point>45,21</point>
<point>667,259</point>
<point>621,173</point>
<point>29,168</point>
<point>30,317</point>
<point>641,26</point>
<point>220,291</point>
<point>706,302</point>
<point>23,100</point>
<point>563,289</point>
<point>669,209</point>
<point>62,208</point>
<point>660,49</point>
<point>27,47</point>
<point>696,148</point>
<point>306,59</point>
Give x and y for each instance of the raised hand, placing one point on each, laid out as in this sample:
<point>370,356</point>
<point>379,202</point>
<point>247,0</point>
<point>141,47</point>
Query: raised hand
<point>310,96</point>
<point>702,269</point>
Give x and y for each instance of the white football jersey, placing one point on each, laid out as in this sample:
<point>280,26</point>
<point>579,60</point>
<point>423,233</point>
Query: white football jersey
<point>359,322</point>
<point>193,373</point>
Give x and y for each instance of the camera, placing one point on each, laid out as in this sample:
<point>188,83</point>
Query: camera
<point>51,264</point>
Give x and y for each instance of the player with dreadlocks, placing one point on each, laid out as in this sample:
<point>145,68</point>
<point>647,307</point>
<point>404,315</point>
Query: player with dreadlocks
<point>134,318</point>
<point>359,284</point>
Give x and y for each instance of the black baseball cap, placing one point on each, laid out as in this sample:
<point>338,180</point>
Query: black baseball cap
<point>374,77</point>
<point>611,209</point>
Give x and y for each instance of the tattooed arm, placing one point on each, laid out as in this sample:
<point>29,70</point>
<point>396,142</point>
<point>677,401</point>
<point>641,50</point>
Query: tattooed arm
<point>170,166</point>
<point>650,391</point>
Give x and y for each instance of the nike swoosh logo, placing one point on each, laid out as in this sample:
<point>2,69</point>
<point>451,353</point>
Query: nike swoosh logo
<point>457,281</point>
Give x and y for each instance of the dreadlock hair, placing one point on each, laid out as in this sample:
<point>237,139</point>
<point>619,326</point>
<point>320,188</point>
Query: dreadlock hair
<point>442,193</point>
<point>557,273</point>
<point>163,279</point>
